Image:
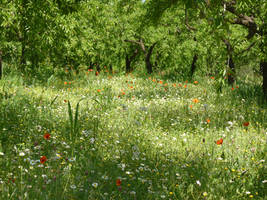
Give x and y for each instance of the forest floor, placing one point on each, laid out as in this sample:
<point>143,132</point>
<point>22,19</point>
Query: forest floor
<point>131,137</point>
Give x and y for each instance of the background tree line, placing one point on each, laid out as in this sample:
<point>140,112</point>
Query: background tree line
<point>227,38</point>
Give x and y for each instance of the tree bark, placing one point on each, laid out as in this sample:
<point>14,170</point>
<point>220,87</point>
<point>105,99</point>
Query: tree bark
<point>231,64</point>
<point>1,69</point>
<point>263,66</point>
<point>149,66</point>
<point>129,61</point>
<point>193,65</point>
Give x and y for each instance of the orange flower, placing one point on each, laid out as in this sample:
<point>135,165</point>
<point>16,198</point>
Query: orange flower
<point>186,81</point>
<point>174,85</point>
<point>69,82</point>
<point>180,85</point>
<point>191,106</point>
<point>154,80</point>
<point>166,84</point>
<point>65,83</point>
<point>196,82</point>
<point>149,78</point>
<point>43,159</point>
<point>123,93</point>
<point>237,87</point>
<point>233,88</point>
<point>195,100</point>
<point>90,70</point>
<point>212,77</point>
<point>96,73</point>
<point>185,86</point>
<point>99,90</point>
<point>208,121</point>
<point>47,136</point>
<point>160,82</point>
<point>118,182</point>
<point>219,142</point>
<point>245,123</point>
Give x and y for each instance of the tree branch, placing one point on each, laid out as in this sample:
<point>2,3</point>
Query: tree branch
<point>140,43</point>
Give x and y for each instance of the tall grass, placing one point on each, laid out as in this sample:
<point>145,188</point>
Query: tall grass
<point>131,137</point>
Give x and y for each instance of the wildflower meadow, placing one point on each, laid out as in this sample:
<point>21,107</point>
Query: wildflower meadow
<point>133,136</point>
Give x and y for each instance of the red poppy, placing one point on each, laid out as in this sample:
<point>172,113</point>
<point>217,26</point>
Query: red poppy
<point>47,136</point>
<point>245,123</point>
<point>219,142</point>
<point>118,182</point>
<point>233,88</point>
<point>90,70</point>
<point>96,73</point>
<point>195,100</point>
<point>43,159</point>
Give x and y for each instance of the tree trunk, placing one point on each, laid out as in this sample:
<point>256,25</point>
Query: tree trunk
<point>22,58</point>
<point>193,65</point>
<point>98,67</point>
<point>231,64</point>
<point>263,66</point>
<point>1,69</point>
<point>149,66</point>
<point>128,64</point>
<point>129,61</point>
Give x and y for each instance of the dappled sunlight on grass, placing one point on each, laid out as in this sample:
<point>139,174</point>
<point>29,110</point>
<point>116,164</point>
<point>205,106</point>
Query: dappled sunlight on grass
<point>130,138</point>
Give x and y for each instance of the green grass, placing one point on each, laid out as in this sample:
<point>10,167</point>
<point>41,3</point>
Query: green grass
<point>152,137</point>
